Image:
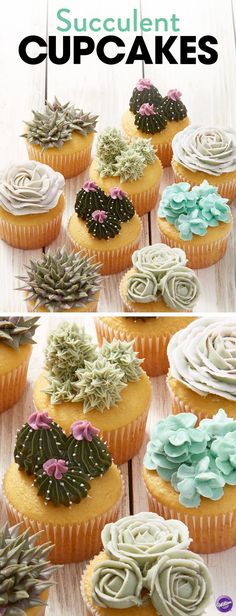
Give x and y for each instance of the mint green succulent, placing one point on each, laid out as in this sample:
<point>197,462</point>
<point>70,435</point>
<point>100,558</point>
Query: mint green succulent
<point>98,385</point>
<point>121,353</point>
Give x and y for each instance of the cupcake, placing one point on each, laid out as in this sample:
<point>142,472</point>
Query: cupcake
<point>61,136</point>
<point>105,227</point>
<point>107,385</point>
<point>150,337</point>
<point>160,281</point>
<point>151,116</point>
<point>133,166</point>
<point>190,475</point>
<point>31,205</point>
<point>16,339</point>
<point>25,573</point>
<point>199,221</point>
<point>202,375</point>
<point>73,476</point>
<point>201,153</point>
<point>62,282</point>
<point>146,570</point>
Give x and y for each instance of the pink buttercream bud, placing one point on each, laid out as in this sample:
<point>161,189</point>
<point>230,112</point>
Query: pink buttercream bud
<point>55,468</point>
<point>83,430</point>
<point>147,110</point>
<point>90,186</point>
<point>143,84</point>
<point>117,193</point>
<point>39,420</point>
<point>99,215</point>
<point>174,95</point>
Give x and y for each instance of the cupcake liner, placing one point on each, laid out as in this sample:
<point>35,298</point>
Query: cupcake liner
<point>125,442</point>
<point>145,201</point>
<point>12,385</point>
<point>69,165</point>
<point>225,189</point>
<point>178,406</point>
<point>202,255</point>
<point>30,236</point>
<point>113,261</point>
<point>164,152</point>
<point>152,349</point>
<point>209,533</point>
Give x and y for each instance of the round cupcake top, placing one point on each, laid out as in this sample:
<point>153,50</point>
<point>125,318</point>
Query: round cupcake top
<point>30,188</point>
<point>203,357</point>
<point>193,211</point>
<point>16,331</point>
<point>208,150</point>
<point>54,126</point>
<point>198,461</point>
<point>119,157</point>
<point>161,272</point>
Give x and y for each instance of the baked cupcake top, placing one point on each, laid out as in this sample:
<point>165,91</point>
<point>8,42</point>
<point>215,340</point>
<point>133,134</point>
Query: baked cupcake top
<point>25,571</point>
<point>17,331</point>
<point>30,188</point>
<point>79,371</point>
<point>206,149</point>
<point>193,211</point>
<point>198,461</point>
<point>146,558</point>
<point>52,127</point>
<point>161,273</point>
<point>152,111</point>
<point>203,357</point>
<point>119,157</point>
<point>61,281</point>
<point>63,467</point>
<point>104,214</point>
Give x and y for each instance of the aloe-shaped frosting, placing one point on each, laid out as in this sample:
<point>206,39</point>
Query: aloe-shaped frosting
<point>55,125</point>
<point>16,331</point>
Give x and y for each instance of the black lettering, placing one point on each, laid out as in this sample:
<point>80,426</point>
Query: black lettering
<point>83,46</point>
<point>53,50</point>
<point>101,49</point>
<point>186,48</point>
<point>213,54</point>
<point>144,55</point>
<point>23,53</point>
<point>164,50</point>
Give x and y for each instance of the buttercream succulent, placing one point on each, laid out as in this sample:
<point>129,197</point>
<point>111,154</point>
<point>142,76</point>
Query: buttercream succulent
<point>117,157</point>
<point>223,449</point>
<point>110,144</point>
<point>130,165</point>
<point>24,571</point>
<point>84,447</point>
<point>206,149</point>
<point>145,148</point>
<point>173,108</point>
<point>117,584</point>
<point>150,119</point>
<point>39,439</point>
<point>197,480</point>
<point>61,281</point>
<point>61,483</point>
<point>55,125</point>
<point>89,198</point>
<point>142,287</point>
<point>144,92</point>
<point>16,331</point>
<point>180,288</point>
<point>158,259</point>
<point>98,385</point>
<point>219,425</point>
<point>121,353</point>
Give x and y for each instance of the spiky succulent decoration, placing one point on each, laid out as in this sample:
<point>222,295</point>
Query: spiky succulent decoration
<point>24,571</point>
<point>61,281</point>
<point>16,331</point>
<point>99,385</point>
<point>122,354</point>
<point>54,126</point>
<point>117,157</point>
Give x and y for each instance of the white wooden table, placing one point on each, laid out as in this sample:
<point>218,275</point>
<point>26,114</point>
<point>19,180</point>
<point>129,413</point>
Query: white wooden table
<point>208,91</point>
<point>65,598</point>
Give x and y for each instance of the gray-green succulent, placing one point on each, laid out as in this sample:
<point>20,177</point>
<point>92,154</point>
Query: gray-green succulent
<point>16,331</point>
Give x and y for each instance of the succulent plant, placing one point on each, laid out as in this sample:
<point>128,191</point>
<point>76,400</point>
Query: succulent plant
<point>99,385</point>
<point>24,571</point>
<point>61,281</point>
<point>130,165</point>
<point>122,354</point>
<point>15,331</point>
<point>145,148</point>
<point>54,126</point>
<point>110,144</point>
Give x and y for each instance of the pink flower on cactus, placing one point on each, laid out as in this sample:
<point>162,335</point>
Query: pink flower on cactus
<point>83,430</point>
<point>117,193</point>
<point>143,84</point>
<point>147,110</point>
<point>39,420</point>
<point>99,215</point>
<point>55,468</point>
<point>90,186</point>
<point>175,95</point>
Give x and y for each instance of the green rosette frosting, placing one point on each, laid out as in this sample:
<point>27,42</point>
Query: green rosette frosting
<point>103,224</point>
<point>119,205</point>
<point>61,483</point>
<point>117,584</point>
<point>39,439</point>
<point>173,107</point>
<point>99,385</point>
<point>16,331</point>
<point>84,447</point>
<point>144,92</point>
<point>121,353</point>
<point>90,198</point>
<point>158,259</point>
<point>180,288</point>
<point>150,119</point>
<point>142,287</point>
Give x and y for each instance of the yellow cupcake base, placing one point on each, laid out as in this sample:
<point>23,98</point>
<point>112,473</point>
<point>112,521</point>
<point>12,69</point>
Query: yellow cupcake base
<point>31,231</point>
<point>89,307</point>
<point>225,183</point>
<point>75,531</point>
<point>184,400</point>
<point>13,374</point>
<point>70,160</point>
<point>212,526</point>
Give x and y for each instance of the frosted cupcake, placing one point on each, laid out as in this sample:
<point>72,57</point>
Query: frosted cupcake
<point>62,472</point>
<point>105,227</point>
<point>206,153</point>
<point>202,376</point>
<point>146,570</point>
<point>151,116</point>
<point>16,340</point>
<point>25,573</point>
<point>190,475</point>
<point>62,282</point>
<point>31,205</point>
<point>62,137</point>
<point>160,281</point>
<point>82,381</point>
<point>199,221</point>
<point>133,166</point>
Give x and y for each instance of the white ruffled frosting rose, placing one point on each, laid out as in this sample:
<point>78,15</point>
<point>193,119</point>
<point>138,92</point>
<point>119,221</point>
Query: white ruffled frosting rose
<point>117,584</point>
<point>180,288</point>
<point>203,357</point>
<point>30,188</point>
<point>157,259</point>
<point>209,150</point>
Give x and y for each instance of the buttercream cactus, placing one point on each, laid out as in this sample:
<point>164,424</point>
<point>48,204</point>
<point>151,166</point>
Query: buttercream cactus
<point>62,282</point>
<point>122,354</point>
<point>62,136</point>
<point>25,572</point>
<point>38,439</point>
<point>85,448</point>
<point>99,385</point>
<point>16,340</point>
<point>150,119</point>
<point>144,92</point>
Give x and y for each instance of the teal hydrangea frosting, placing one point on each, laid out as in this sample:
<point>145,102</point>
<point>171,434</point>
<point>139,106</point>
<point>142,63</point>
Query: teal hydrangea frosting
<point>193,211</point>
<point>201,479</point>
<point>121,353</point>
<point>119,157</point>
<point>224,451</point>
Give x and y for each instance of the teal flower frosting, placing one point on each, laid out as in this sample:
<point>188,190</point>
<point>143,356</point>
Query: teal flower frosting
<point>193,211</point>
<point>198,480</point>
<point>219,425</point>
<point>224,451</point>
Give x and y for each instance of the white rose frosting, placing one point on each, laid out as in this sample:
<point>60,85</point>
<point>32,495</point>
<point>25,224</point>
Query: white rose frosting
<point>30,188</point>
<point>210,150</point>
